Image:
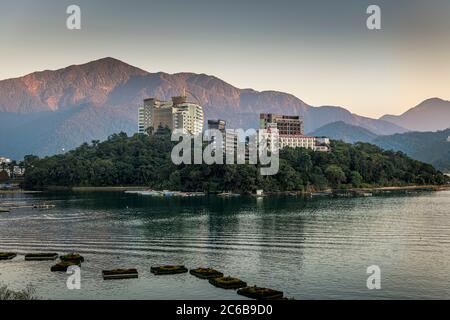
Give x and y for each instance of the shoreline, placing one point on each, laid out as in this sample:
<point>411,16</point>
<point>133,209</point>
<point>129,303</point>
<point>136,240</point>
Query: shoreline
<point>19,191</point>
<point>141,188</point>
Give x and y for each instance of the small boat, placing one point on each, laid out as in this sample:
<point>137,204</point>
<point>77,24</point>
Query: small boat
<point>228,194</point>
<point>150,193</point>
<point>4,210</point>
<point>43,206</point>
<point>132,192</point>
<point>118,274</point>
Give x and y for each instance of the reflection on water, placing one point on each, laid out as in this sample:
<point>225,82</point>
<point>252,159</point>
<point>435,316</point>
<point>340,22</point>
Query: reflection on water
<point>309,249</point>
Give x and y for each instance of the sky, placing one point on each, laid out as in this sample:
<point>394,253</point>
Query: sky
<point>321,51</point>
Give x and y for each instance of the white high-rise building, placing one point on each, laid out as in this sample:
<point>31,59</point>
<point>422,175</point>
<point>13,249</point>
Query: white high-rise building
<point>188,117</point>
<point>175,114</point>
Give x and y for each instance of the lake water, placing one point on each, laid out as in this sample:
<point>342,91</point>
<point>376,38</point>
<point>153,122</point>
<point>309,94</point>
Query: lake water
<point>308,248</point>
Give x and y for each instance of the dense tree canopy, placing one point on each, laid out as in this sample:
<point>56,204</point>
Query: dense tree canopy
<point>144,160</point>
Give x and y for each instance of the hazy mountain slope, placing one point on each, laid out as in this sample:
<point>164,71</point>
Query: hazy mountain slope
<point>320,116</point>
<point>345,132</point>
<point>430,147</point>
<point>430,115</point>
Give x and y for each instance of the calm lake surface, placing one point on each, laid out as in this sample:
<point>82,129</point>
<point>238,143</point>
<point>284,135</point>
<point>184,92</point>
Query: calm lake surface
<point>309,248</point>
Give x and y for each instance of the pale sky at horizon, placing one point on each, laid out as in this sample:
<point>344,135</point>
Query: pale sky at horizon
<point>320,51</point>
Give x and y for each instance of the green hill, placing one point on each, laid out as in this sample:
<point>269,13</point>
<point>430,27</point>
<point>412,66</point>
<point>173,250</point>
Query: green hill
<point>430,147</point>
<point>145,161</point>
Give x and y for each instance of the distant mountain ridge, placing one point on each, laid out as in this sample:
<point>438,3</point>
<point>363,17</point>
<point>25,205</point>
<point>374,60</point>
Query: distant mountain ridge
<point>346,132</point>
<point>53,111</point>
<point>430,115</point>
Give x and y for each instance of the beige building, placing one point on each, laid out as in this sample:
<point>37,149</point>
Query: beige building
<point>288,130</point>
<point>175,114</point>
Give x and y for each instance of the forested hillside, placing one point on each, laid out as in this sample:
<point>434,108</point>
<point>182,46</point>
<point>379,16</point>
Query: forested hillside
<point>145,161</point>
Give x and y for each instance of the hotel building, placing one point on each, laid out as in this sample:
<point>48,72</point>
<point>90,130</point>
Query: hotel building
<point>230,137</point>
<point>175,114</point>
<point>290,133</point>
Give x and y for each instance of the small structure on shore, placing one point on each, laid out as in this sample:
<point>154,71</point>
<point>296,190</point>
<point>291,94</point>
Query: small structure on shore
<point>7,255</point>
<point>260,293</point>
<point>228,283</point>
<point>206,273</point>
<point>118,274</point>
<point>164,270</point>
<point>41,256</point>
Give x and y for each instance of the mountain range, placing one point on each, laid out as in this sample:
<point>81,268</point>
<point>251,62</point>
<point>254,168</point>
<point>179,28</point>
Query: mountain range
<point>49,112</point>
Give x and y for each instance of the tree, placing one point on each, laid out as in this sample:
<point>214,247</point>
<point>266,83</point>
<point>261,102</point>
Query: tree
<point>356,179</point>
<point>4,177</point>
<point>145,160</point>
<point>335,175</point>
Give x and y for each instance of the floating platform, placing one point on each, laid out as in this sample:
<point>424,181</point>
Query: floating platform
<point>7,255</point>
<point>64,265</point>
<point>260,293</point>
<point>44,206</point>
<point>228,283</point>
<point>228,194</point>
<point>163,270</point>
<point>41,256</point>
<point>206,273</point>
<point>72,257</point>
<point>4,210</point>
<point>118,274</point>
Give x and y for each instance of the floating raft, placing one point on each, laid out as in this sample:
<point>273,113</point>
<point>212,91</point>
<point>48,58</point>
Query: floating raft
<point>43,206</point>
<point>163,270</point>
<point>206,273</point>
<point>7,255</point>
<point>41,256</point>
<point>260,293</point>
<point>228,283</point>
<point>64,265</point>
<point>72,257</point>
<point>117,274</point>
